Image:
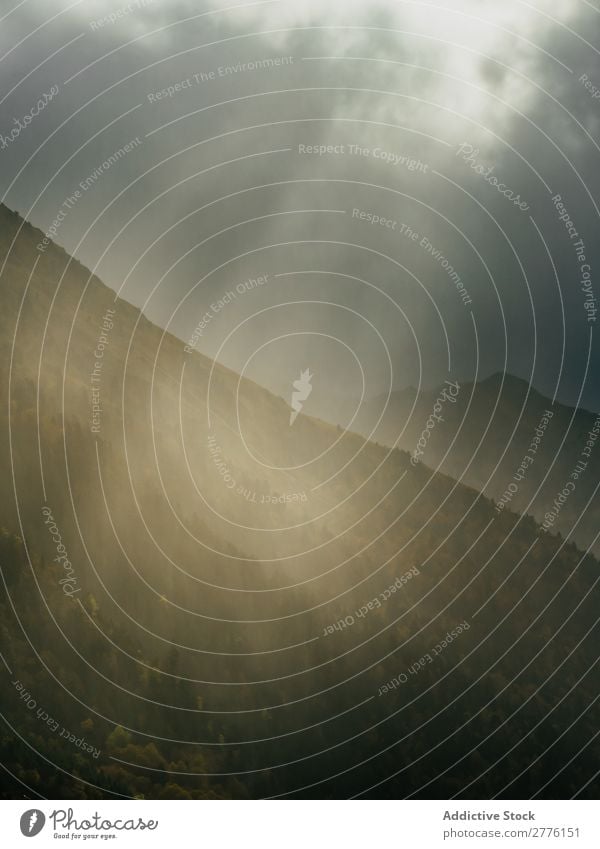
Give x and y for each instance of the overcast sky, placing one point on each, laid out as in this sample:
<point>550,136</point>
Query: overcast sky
<point>222,186</point>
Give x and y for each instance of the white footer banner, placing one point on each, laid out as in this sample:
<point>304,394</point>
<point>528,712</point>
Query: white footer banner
<point>302,824</point>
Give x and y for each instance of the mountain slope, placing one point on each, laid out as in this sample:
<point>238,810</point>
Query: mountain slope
<point>497,437</point>
<point>251,609</point>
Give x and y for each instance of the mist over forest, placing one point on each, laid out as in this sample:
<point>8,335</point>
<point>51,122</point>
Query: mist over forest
<point>298,436</point>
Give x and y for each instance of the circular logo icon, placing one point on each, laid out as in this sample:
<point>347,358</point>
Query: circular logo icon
<point>32,822</point>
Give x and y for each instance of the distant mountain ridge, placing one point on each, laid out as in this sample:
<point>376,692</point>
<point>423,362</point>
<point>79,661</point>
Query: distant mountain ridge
<point>511,411</point>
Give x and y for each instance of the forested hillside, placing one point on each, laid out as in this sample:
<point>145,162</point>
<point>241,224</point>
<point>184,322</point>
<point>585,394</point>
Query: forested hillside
<point>203,601</point>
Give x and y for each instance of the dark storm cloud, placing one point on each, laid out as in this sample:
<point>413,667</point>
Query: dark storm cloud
<point>417,91</point>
